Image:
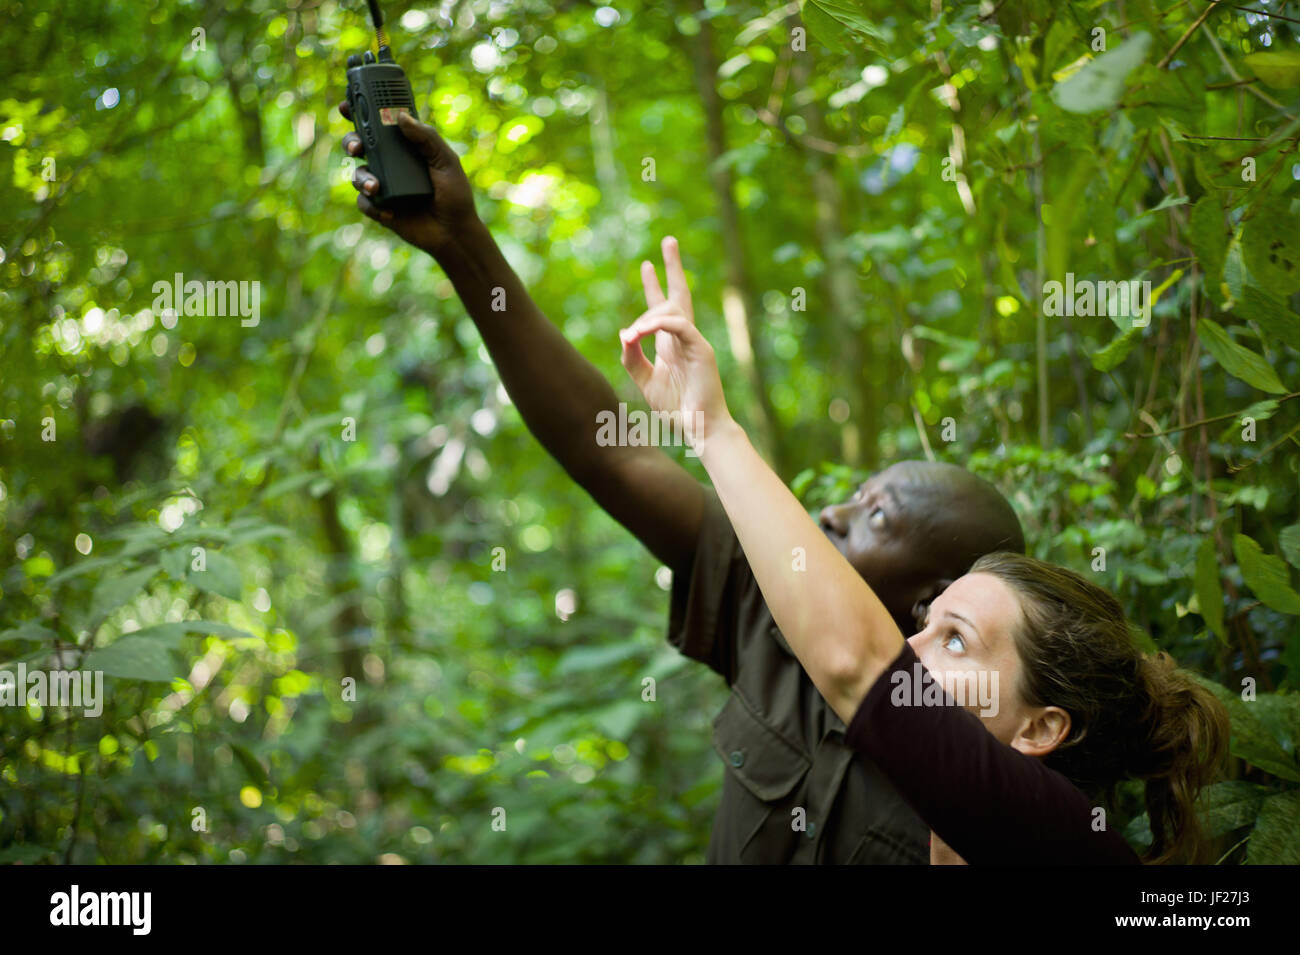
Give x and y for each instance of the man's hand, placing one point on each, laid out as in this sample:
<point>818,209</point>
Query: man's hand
<point>434,226</point>
<point>684,377</point>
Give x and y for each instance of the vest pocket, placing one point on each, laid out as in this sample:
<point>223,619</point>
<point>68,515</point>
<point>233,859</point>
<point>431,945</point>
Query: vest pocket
<point>769,769</point>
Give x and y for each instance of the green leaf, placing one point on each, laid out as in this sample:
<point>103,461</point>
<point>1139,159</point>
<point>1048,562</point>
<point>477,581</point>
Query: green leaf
<point>1111,355</point>
<point>1237,360</point>
<point>1267,576</point>
<point>291,483</point>
<point>256,771</point>
<point>597,657</point>
<point>618,720</point>
<point>849,15</point>
<point>112,592</point>
<point>1271,314</point>
<point>1289,539</point>
<point>84,567</point>
<point>1251,739</point>
<point>1100,84</point>
<point>257,533</point>
<point>134,657</point>
<point>217,629</point>
<point>175,561</point>
<point>1279,69</point>
<point>28,631</point>
<point>174,633</point>
<point>895,125</point>
<point>220,576</point>
<point>1209,589</point>
<point>1274,841</point>
<point>1209,240</point>
<point>25,855</point>
<point>1227,806</point>
<point>1270,246</point>
<point>1280,714</point>
<point>821,26</point>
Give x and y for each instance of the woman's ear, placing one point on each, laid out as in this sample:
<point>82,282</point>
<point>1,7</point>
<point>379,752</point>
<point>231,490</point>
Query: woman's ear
<point>1046,728</point>
<point>926,595</point>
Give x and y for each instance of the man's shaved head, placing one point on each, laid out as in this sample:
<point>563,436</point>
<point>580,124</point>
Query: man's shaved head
<point>917,526</point>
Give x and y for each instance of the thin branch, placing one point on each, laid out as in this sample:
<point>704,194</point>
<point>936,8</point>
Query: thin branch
<point>1164,63</point>
<point>1194,424</point>
<point>1262,13</point>
<point>1227,65</point>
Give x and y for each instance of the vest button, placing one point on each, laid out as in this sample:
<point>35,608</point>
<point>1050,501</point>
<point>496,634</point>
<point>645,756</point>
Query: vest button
<point>737,758</point>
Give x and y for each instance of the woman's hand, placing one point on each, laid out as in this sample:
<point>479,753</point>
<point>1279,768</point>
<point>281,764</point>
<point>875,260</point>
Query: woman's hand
<point>683,381</point>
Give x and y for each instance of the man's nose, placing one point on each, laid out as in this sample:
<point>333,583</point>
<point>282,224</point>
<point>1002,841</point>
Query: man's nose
<point>834,519</point>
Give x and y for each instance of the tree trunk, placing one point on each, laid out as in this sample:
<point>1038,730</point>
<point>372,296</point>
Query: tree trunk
<point>738,298</point>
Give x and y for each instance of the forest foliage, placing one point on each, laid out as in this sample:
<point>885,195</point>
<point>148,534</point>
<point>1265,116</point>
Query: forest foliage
<point>230,519</point>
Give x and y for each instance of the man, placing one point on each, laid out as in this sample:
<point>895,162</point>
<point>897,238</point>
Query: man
<point>793,792</point>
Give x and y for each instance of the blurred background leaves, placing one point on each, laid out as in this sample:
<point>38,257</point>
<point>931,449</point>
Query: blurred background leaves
<point>231,521</point>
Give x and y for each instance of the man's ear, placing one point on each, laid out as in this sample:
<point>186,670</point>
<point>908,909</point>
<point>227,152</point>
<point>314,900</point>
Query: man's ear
<point>925,595</point>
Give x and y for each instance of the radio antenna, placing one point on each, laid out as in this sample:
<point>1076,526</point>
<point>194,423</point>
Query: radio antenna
<point>377,18</point>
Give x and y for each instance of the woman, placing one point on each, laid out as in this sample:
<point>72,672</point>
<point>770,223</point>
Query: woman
<point>1058,705</point>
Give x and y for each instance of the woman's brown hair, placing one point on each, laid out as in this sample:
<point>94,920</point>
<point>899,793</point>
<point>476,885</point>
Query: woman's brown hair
<point>1132,716</point>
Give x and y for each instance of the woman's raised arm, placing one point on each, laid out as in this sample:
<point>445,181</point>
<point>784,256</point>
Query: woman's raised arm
<point>837,627</point>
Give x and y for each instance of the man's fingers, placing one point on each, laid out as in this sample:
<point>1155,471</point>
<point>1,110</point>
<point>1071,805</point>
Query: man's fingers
<point>345,109</point>
<point>654,294</point>
<point>372,211</point>
<point>432,146</point>
<point>352,144</point>
<point>364,181</point>
<point>677,290</point>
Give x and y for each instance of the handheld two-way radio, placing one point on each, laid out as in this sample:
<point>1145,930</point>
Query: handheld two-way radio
<point>379,92</point>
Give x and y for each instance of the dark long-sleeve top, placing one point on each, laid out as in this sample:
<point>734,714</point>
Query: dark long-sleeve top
<point>991,804</point>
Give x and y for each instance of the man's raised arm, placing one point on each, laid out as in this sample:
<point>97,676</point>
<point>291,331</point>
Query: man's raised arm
<point>557,391</point>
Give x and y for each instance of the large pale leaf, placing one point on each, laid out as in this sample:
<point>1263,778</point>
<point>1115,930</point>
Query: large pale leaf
<point>1280,69</point>
<point>1100,84</point>
<point>1237,360</point>
<point>1265,575</point>
<point>134,657</point>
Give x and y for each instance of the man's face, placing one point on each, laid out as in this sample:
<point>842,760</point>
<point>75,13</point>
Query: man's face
<point>881,531</point>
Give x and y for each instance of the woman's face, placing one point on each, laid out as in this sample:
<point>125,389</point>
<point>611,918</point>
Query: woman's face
<point>967,644</point>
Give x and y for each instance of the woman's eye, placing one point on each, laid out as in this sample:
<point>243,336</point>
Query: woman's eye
<point>877,517</point>
<point>948,643</point>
